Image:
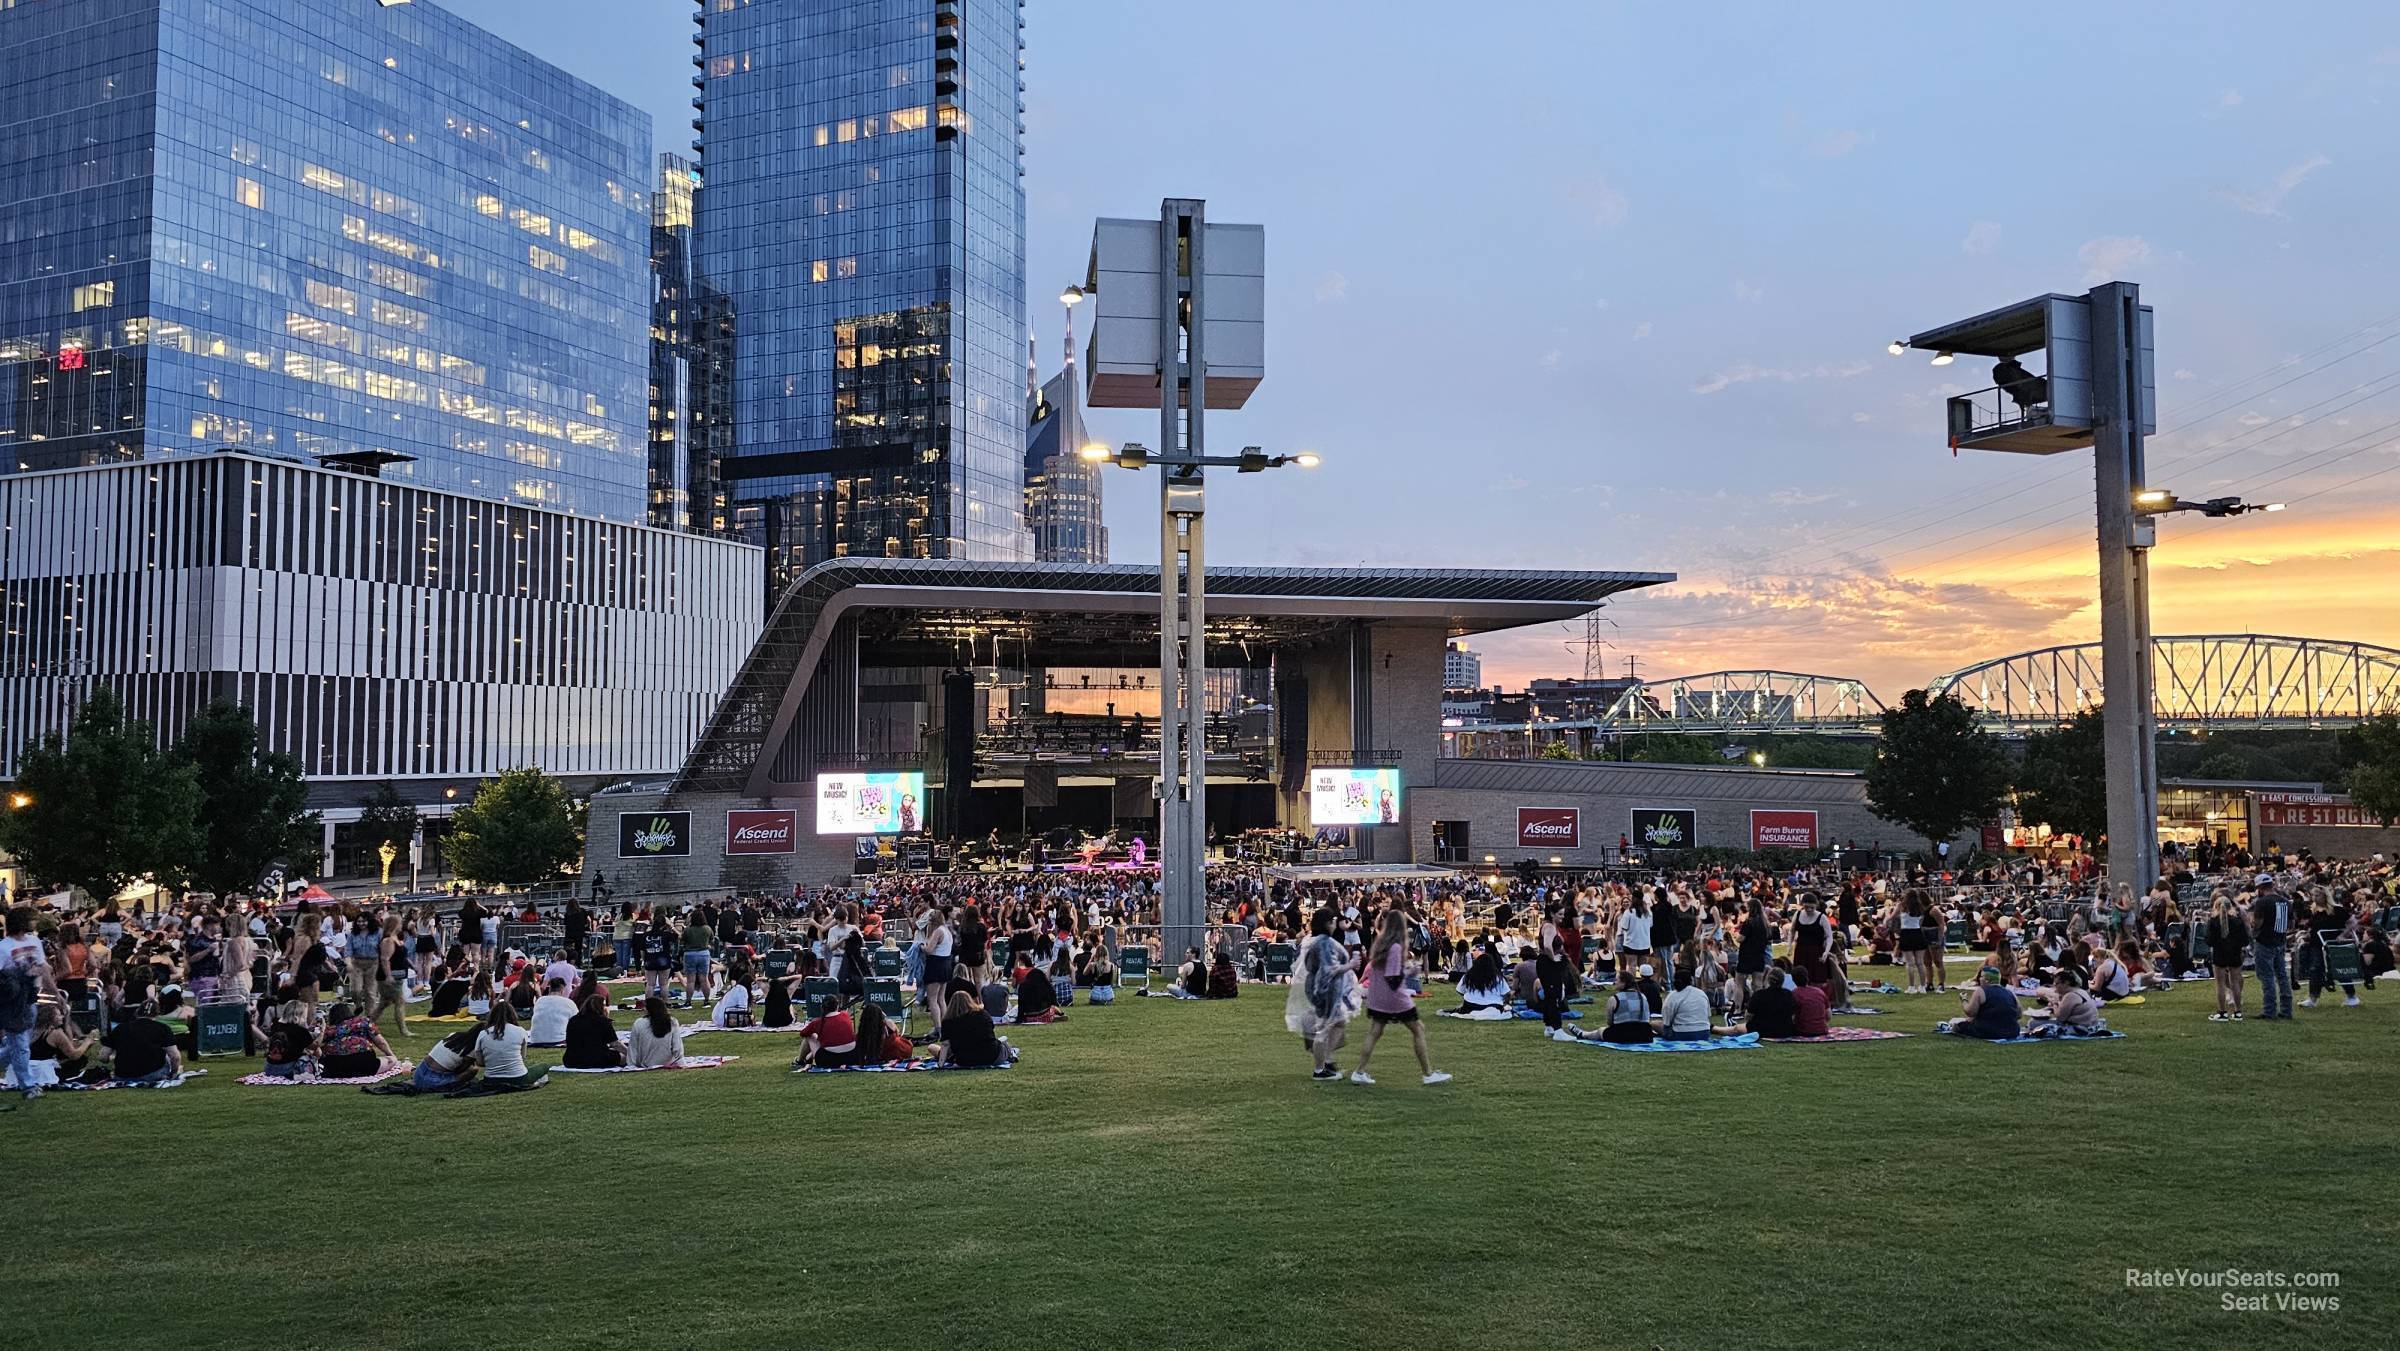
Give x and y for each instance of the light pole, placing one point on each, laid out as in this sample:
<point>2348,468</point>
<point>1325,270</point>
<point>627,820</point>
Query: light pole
<point>1182,787</point>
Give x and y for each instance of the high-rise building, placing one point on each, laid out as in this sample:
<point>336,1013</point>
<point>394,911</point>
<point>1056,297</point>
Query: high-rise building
<point>1062,489</point>
<point>861,206</point>
<point>1461,669</point>
<point>691,364</point>
<point>320,228</point>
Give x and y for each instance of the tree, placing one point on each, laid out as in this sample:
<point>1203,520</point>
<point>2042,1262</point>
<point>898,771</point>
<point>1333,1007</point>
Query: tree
<point>2065,778</point>
<point>1935,771</point>
<point>2374,780</point>
<point>1558,750</point>
<point>1672,748</point>
<point>102,807</point>
<point>521,828</point>
<point>254,809</point>
<point>385,817</point>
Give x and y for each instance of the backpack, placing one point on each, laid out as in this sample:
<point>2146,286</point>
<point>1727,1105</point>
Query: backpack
<point>17,993</point>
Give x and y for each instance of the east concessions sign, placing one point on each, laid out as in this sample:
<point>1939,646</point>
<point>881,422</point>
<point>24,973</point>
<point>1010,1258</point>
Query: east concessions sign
<point>2311,809</point>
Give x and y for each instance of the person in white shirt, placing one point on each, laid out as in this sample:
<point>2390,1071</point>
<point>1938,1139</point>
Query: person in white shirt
<point>1684,1016</point>
<point>500,1049</point>
<point>550,1015</point>
<point>1633,935</point>
<point>560,969</point>
<point>657,1042</point>
<point>735,1000</point>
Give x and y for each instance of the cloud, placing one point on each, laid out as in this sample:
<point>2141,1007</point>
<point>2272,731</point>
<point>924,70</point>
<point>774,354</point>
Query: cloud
<point>1835,144</point>
<point>1549,361</point>
<point>1640,331</point>
<point>1509,484</point>
<point>2106,258</point>
<point>1333,286</point>
<point>1854,417</point>
<point>1982,237</point>
<point>1794,497</point>
<point>1607,205</point>
<point>2270,201</point>
<point>2246,419</point>
<point>1746,373</point>
<point>2231,98</point>
<point>1601,303</point>
<point>1745,292</point>
<point>2181,373</point>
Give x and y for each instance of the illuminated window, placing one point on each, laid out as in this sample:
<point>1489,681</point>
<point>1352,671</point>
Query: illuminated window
<point>249,193</point>
<point>846,131</point>
<point>544,260</point>
<point>824,134</point>
<point>817,270</point>
<point>847,267</point>
<point>487,204</point>
<point>318,176</point>
<point>331,297</point>
<point>908,119</point>
<point>98,295</point>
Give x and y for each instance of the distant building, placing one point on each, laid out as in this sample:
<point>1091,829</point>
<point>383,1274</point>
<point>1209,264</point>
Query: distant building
<point>1576,699</point>
<point>1461,669</point>
<point>863,207</point>
<point>1062,489</point>
<point>320,227</point>
<point>691,365</point>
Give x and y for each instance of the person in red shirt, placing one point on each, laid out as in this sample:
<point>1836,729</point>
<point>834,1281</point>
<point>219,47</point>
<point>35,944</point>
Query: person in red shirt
<point>827,1040</point>
<point>1812,1014</point>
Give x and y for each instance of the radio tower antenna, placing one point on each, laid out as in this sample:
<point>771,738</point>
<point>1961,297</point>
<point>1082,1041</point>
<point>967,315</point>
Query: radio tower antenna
<point>1595,665</point>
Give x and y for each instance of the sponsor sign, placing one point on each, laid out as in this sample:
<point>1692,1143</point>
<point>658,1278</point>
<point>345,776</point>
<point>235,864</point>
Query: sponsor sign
<point>1666,827</point>
<point>1783,829</point>
<point>2311,809</point>
<point>1549,828</point>
<point>654,834</point>
<point>761,832</point>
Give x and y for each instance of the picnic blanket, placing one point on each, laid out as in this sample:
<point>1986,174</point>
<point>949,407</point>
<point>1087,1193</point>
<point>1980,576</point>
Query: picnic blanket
<point>450,1018</point>
<point>1945,1030</point>
<point>689,1062</point>
<point>387,1070</point>
<point>1535,1015</point>
<point>1858,1011</point>
<point>1738,1042</point>
<point>79,1086</point>
<point>1482,1015</point>
<point>1873,987</point>
<point>1838,1034</point>
<point>691,1028</point>
<point>900,1067</point>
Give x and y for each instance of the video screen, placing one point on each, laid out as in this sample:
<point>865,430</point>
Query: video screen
<point>1354,797</point>
<point>870,804</point>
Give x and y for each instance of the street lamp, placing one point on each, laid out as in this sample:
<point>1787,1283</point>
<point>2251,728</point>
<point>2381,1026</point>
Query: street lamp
<point>1759,759</point>
<point>19,801</point>
<point>2158,502</point>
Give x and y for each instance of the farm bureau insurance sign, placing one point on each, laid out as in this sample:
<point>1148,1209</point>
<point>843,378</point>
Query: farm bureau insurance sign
<point>761,832</point>
<point>654,834</point>
<point>1782,829</point>
<point>1549,828</point>
<point>1666,827</point>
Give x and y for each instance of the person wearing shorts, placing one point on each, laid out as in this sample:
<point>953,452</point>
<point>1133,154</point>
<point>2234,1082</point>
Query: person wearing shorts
<point>1384,970</point>
<point>698,970</point>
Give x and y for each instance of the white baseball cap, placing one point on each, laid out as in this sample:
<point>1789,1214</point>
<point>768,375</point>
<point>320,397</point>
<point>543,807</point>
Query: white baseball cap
<point>1649,970</point>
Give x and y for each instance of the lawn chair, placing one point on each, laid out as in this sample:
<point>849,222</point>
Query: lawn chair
<point>1133,962</point>
<point>778,963</point>
<point>884,993</point>
<point>819,994</point>
<point>1954,935</point>
<point>2341,963</point>
<point>1277,964</point>
<point>890,962</point>
<point>1000,953</point>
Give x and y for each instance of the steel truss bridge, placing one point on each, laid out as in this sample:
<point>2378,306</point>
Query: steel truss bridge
<point>2205,682</point>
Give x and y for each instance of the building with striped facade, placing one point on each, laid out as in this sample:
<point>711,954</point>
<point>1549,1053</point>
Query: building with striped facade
<point>378,631</point>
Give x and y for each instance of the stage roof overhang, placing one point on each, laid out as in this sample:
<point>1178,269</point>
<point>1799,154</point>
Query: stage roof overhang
<point>939,610</point>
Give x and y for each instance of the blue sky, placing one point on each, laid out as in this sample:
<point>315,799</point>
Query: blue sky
<point>1608,286</point>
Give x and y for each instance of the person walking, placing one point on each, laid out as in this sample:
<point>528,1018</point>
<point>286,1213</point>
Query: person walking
<point>1323,996</point>
<point>2225,940</point>
<point>2270,924</point>
<point>1384,969</point>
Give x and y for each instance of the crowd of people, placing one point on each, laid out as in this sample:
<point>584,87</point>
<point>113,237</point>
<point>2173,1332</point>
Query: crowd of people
<point>110,992</point>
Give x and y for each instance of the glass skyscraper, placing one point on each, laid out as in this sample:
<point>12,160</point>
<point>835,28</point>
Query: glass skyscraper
<point>691,365</point>
<point>862,208</point>
<point>321,228</point>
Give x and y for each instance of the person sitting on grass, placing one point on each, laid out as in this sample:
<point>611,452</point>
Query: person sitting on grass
<point>969,1040</point>
<point>1062,974</point>
<point>1773,1013</point>
<point>500,1051</point>
<point>142,1050</point>
<point>1812,1007</point>
<point>2073,1010</point>
<point>525,991</point>
<point>657,1041</point>
<point>1685,1014</point>
<point>353,1048</point>
<point>479,994</point>
<point>1098,976</point>
<point>449,993</point>
<point>1037,999</point>
<point>994,994</point>
<point>879,1043</point>
<point>2112,975</point>
<point>1629,1012</point>
<point>551,1013</point>
<point>780,991</point>
<point>1990,1012</point>
<point>1483,987</point>
<point>592,1038</point>
<point>1191,978</point>
<point>827,1040</point>
<point>449,1064</point>
<point>733,1007</point>
<point>288,1044</point>
<point>58,1040</point>
<point>1223,981</point>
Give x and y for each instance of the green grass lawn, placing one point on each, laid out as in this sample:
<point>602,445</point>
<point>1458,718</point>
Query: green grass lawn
<point>1164,1175</point>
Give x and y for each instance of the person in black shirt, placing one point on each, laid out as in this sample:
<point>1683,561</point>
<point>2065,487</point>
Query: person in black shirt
<point>143,1051</point>
<point>592,1038</point>
<point>968,1039</point>
<point>2270,921</point>
<point>1037,998</point>
<point>1773,1010</point>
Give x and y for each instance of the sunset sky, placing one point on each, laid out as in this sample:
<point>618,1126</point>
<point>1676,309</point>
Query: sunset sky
<point>1609,286</point>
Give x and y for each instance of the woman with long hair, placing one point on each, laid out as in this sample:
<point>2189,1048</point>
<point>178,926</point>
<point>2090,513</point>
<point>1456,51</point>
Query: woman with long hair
<point>2225,943</point>
<point>1483,986</point>
<point>1551,970</point>
<point>1383,970</point>
<point>500,1049</point>
<point>657,1042</point>
<point>1914,940</point>
<point>391,975</point>
<point>1323,997</point>
<point>305,957</point>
